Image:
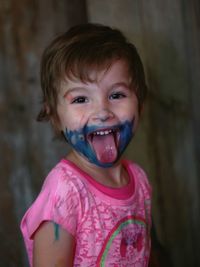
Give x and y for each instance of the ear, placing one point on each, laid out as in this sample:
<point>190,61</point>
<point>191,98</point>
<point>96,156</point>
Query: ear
<point>47,108</point>
<point>55,122</point>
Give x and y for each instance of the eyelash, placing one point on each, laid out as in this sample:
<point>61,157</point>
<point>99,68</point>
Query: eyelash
<point>83,99</point>
<point>117,96</point>
<point>79,100</point>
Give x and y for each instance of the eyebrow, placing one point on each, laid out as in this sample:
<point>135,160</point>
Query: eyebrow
<point>124,84</point>
<point>70,90</point>
<point>113,86</point>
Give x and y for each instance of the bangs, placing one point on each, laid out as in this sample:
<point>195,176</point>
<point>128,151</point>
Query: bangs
<point>85,70</point>
<point>83,59</point>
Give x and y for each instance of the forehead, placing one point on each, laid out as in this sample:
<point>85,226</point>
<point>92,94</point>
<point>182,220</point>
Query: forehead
<point>115,71</point>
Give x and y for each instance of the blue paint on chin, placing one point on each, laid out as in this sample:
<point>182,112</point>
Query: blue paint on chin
<point>78,140</point>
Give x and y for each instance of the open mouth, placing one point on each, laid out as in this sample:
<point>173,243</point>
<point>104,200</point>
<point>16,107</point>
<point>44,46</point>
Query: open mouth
<point>105,143</point>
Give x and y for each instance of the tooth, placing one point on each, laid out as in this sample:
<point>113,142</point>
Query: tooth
<point>103,132</point>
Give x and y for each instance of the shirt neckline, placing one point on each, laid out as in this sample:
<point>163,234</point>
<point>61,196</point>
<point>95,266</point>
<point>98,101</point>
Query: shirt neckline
<point>122,193</point>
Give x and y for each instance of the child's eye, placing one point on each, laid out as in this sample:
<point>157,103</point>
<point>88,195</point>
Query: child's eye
<point>117,95</point>
<point>80,100</point>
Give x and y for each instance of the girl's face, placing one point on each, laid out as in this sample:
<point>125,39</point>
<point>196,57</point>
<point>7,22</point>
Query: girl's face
<point>99,118</point>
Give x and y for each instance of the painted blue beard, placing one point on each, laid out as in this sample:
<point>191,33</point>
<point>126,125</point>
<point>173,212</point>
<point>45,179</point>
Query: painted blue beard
<point>78,140</point>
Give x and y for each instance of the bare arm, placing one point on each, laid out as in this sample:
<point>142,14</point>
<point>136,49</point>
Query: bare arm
<point>53,246</point>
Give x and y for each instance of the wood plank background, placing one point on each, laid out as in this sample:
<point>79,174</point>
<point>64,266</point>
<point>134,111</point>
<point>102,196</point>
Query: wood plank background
<point>167,143</point>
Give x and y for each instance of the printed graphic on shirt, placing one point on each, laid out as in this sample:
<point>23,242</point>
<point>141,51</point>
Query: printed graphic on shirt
<point>127,242</point>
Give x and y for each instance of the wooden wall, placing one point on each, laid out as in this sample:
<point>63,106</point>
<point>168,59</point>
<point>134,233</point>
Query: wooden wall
<point>167,143</point>
<point>28,150</point>
<point>167,34</point>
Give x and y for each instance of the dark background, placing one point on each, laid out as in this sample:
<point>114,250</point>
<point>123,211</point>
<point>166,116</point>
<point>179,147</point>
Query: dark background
<point>167,143</point>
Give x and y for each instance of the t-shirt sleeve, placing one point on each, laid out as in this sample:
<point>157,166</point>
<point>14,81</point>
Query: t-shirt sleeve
<point>58,202</point>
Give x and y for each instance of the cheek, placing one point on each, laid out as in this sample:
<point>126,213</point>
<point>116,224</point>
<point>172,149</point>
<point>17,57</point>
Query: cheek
<point>132,116</point>
<point>73,121</point>
<point>127,113</point>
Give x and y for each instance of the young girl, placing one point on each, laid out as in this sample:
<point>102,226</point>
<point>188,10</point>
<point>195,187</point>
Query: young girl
<point>94,208</point>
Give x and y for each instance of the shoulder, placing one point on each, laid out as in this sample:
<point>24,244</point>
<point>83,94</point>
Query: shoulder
<point>58,200</point>
<point>62,173</point>
<point>62,182</point>
<point>143,188</point>
<point>140,176</point>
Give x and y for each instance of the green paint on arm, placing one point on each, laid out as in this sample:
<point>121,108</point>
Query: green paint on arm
<point>56,231</point>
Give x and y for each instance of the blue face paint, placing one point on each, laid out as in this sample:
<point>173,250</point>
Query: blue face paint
<point>78,140</point>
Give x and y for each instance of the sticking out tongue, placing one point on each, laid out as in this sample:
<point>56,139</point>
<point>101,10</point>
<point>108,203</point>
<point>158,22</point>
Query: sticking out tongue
<point>105,147</point>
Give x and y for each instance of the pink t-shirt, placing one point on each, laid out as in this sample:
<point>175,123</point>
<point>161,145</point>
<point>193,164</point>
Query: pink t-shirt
<point>111,225</point>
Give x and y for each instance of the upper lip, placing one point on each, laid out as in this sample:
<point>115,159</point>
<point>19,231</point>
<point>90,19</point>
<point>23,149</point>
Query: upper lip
<point>103,131</point>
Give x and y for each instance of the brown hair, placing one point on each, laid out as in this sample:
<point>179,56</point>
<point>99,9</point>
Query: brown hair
<point>82,48</point>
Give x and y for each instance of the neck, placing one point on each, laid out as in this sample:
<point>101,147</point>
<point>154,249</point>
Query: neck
<point>115,176</point>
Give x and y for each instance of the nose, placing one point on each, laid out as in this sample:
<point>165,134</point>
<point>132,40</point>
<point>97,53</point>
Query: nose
<point>104,115</point>
<point>102,112</point>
